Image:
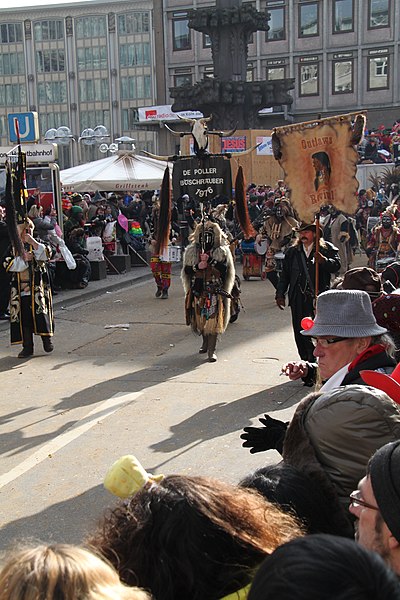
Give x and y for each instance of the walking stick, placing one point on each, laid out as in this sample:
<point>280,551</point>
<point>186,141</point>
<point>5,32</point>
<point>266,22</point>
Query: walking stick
<point>317,236</point>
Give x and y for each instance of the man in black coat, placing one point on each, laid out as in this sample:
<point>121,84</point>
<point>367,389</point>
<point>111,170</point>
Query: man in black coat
<point>297,279</point>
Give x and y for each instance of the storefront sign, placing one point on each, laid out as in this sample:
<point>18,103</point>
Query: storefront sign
<point>164,113</point>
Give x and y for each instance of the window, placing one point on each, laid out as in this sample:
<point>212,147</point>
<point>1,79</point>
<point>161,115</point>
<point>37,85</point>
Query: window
<point>342,71</point>
<point>309,79</point>
<point>10,33</point>
<point>134,87</point>
<point>48,30</point>
<point>13,94</point>
<point>181,34</point>
<point>276,24</point>
<point>12,64</point>
<point>94,57</point>
<point>343,18</point>
<point>90,118</point>
<point>183,79</point>
<point>93,90</point>
<point>308,19</point>
<point>52,92</point>
<point>135,22</point>
<point>274,73</point>
<point>378,13</point>
<point>89,27</point>
<point>378,72</point>
<point>134,54</point>
<point>206,41</point>
<point>50,61</point>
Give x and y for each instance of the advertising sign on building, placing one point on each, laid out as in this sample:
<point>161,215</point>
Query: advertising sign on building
<point>147,114</point>
<point>233,144</point>
<point>202,179</point>
<point>265,145</point>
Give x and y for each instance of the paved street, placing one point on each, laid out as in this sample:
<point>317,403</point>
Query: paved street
<point>145,390</point>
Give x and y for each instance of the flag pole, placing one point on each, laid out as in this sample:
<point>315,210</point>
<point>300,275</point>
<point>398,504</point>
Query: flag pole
<point>317,237</point>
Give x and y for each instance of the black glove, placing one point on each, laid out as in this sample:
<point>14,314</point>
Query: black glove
<point>269,437</point>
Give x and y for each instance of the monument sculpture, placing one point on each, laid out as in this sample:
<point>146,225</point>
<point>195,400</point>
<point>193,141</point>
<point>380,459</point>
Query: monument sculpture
<point>233,101</point>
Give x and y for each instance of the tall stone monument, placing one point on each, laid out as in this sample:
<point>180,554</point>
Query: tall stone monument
<point>233,101</point>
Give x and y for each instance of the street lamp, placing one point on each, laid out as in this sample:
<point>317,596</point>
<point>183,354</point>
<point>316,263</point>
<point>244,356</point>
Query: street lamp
<point>61,136</point>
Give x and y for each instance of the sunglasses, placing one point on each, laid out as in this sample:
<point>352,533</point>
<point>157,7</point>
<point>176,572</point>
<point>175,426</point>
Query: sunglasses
<point>357,501</point>
<point>324,343</point>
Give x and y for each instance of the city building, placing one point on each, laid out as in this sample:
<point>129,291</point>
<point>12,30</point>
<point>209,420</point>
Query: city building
<point>94,62</point>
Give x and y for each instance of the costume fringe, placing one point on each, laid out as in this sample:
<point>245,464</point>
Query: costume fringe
<point>242,210</point>
<point>164,220</point>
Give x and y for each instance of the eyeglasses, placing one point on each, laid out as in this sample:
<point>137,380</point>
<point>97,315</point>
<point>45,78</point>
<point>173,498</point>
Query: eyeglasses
<point>358,502</point>
<point>324,343</point>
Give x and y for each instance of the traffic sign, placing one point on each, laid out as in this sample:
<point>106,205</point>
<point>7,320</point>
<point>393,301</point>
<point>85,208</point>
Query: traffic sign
<point>28,127</point>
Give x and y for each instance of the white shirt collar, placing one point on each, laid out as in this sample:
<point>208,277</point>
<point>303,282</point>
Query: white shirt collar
<point>336,379</point>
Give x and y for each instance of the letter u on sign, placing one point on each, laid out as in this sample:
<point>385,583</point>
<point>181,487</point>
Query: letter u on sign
<point>28,126</point>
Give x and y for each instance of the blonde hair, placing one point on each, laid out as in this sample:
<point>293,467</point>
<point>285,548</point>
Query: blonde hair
<point>62,572</point>
<point>35,211</point>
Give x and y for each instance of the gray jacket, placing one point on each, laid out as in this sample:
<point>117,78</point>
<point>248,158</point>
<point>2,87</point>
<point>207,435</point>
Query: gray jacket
<point>333,435</point>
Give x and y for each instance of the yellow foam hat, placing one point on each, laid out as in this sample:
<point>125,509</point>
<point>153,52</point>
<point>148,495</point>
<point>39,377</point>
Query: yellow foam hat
<point>127,476</point>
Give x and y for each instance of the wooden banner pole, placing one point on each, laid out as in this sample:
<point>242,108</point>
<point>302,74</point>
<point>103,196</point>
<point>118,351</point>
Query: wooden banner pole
<point>317,236</point>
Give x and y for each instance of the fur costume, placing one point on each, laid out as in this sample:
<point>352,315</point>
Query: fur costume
<point>207,311</point>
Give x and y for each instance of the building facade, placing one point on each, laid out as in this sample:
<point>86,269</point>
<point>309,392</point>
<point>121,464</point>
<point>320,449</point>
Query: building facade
<point>343,54</point>
<point>95,62</point>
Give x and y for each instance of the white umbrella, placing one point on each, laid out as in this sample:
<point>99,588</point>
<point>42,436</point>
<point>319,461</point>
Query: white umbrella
<point>123,172</point>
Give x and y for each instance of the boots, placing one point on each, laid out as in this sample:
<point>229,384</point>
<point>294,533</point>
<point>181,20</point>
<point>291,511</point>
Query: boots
<point>27,343</point>
<point>212,342</point>
<point>47,343</point>
<point>164,294</point>
<point>204,346</point>
<point>158,292</point>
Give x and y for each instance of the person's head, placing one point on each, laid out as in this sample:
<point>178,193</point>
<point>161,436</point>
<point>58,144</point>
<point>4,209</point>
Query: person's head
<point>363,278</point>
<point>27,227</point>
<point>376,505</point>
<point>76,198</point>
<point>344,327</point>
<point>62,572</point>
<point>387,220</point>
<point>296,493</point>
<point>190,537</point>
<point>323,567</point>
<point>321,162</point>
<point>108,210</point>
<point>76,212</point>
<point>35,211</point>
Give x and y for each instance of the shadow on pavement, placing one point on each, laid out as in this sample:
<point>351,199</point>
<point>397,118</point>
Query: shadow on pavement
<point>59,523</point>
<point>227,417</point>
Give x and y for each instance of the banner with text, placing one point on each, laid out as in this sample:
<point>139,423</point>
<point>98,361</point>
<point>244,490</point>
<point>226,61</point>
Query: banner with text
<point>320,163</point>
<point>233,144</point>
<point>265,145</point>
<point>202,179</point>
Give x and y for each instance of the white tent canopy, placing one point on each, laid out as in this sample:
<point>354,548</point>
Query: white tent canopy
<point>123,172</point>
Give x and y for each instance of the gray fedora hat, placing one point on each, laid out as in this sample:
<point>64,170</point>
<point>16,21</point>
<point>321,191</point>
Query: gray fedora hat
<point>344,313</point>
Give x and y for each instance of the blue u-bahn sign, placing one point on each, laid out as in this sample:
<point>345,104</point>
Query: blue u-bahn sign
<point>28,126</point>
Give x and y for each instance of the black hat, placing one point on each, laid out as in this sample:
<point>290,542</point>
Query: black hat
<point>385,481</point>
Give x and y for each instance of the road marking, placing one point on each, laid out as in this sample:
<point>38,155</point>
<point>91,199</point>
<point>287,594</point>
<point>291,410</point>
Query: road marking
<point>101,412</point>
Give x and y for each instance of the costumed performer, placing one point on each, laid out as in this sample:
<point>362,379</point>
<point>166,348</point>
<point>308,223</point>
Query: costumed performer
<point>208,275</point>
<point>31,306</point>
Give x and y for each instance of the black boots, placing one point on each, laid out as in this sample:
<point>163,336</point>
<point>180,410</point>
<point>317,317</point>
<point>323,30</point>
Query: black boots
<point>158,292</point>
<point>164,294</point>
<point>47,343</point>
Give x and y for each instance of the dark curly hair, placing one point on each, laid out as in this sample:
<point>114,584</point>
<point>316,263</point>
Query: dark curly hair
<point>191,537</point>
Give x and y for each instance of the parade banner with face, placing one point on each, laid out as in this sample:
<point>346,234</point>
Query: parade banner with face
<point>320,163</point>
<point>202,179</point>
